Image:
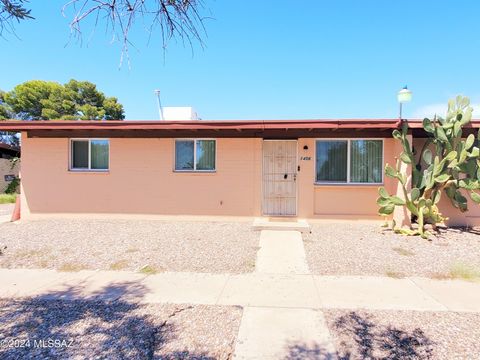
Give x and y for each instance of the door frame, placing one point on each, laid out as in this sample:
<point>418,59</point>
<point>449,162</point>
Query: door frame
<point>296,179</point>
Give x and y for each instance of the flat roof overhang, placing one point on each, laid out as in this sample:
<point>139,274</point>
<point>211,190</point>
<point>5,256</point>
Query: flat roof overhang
<point>416,128</point>
<point>8,149</point>
<point>278,129</point>
<point>268,129</point>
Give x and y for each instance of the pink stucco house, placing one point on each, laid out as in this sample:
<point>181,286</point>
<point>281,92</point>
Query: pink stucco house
<point>314,169</point>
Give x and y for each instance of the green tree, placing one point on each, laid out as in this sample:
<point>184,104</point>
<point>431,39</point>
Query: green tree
<point>5,112</point>
<point>90,103</point>
<point>76,100</point>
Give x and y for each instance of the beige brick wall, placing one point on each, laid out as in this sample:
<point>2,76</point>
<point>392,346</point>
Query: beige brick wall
<point>6,169</point>
<point>141,180</point>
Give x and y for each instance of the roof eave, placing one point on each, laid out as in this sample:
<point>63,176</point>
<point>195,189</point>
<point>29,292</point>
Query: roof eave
<point>201,125</point>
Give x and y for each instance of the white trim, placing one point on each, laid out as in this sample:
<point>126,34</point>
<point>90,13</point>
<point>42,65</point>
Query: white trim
<point>194,170</point>
<point>89,169</point>
<point>348,182</point>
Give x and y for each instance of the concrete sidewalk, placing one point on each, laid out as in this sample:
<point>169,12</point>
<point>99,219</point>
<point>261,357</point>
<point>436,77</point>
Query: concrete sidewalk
<point>253,289</point>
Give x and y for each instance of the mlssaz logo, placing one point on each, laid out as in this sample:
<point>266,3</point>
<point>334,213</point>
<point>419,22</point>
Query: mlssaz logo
<point>52,343</point>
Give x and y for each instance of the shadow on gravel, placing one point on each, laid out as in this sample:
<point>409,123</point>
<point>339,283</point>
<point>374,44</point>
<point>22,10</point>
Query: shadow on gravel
<point>461,230</point>
<point>370,341</point>
<point>308,352</point>
<point>51,327</point>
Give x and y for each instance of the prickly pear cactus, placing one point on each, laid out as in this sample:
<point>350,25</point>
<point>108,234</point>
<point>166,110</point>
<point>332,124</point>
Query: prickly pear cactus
<point>448,164</point>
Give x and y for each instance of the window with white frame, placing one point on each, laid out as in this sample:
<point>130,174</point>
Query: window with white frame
<point>349,161</point>
<point>89,154</point>
<point>195,155</point>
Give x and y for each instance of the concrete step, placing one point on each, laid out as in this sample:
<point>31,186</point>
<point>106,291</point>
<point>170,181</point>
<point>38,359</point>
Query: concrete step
<point>293,225</point>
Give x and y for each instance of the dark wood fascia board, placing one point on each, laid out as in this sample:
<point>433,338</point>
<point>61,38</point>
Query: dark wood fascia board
<point>214,133</point>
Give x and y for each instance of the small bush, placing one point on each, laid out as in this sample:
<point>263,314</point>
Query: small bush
<point>402,251</point>
<point>464,271</point>
<point>8,198</point>
<point>394,274</point>
<point>12,186</point>
<point>148,270</point>
<point>70,267</point>
<point>24,253</point>
<point>119,265</point>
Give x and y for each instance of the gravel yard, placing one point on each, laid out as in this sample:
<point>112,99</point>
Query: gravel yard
<point>404,334</point>
<point>119,330</point>
<point>367,249</point>
<point>216,247</point>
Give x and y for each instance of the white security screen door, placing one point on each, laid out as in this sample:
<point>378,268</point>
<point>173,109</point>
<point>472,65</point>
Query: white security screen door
<point>279,177</point>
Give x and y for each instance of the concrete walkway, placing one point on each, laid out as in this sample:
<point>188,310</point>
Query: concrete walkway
<point>281,325</point>
<point>278,333</point>
<point>281,252</point>
<point>258,290</point>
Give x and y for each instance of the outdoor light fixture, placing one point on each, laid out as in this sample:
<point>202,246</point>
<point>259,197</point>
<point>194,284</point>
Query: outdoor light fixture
<point>404,96</point>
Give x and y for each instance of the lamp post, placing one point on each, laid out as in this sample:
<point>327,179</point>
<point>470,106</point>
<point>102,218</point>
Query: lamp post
<point>403,96</point>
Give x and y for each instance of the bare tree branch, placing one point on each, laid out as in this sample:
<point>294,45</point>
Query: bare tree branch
<point>176,19</point>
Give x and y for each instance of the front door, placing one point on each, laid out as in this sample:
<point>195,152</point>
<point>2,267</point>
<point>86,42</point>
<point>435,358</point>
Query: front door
<point>279,177</point>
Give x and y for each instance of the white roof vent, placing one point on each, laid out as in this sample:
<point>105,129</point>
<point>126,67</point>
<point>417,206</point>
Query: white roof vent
<point>178,113</point>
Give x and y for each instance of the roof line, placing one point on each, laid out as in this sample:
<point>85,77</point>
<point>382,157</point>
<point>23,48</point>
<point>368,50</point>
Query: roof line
<point>16,125</point>
<point>253,125</point>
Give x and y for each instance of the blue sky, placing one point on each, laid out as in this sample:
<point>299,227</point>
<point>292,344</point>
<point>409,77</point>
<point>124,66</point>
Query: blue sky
<point>270,59</point>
